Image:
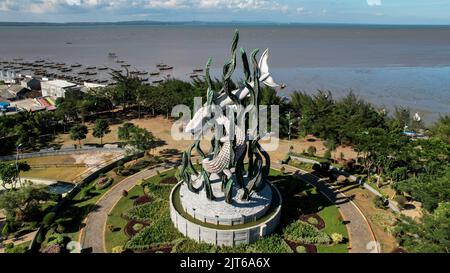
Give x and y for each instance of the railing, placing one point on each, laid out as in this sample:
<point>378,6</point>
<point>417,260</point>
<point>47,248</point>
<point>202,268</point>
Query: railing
<point>63,151</point>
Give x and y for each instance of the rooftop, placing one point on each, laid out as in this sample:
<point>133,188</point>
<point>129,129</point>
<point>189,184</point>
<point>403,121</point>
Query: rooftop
<point>60,83</point>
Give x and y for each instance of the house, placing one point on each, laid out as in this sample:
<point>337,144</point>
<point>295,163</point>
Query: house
<point>13,92</point>
<point>8,76</point>
<point>31,83</point>
<point>57,88</point>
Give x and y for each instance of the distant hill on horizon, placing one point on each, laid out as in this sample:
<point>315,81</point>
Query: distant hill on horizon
<point>210,23</point>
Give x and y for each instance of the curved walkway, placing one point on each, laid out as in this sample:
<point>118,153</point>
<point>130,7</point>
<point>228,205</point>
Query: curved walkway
<point>92,235</point>
<point>361,237</point>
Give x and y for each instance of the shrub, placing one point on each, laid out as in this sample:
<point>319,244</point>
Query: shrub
<point>124,193</point>
<point>11,248</point>
<point>337,238</point>
<point>381,202</point>
<point>40,237</point>
<point>161,231</point>
<point>103,183</point>
<point>138,226</point>
<point>401,201</point>
<point>148,211</point>
<point>117,249</point>
<point>48,219</point>
<point>110,227</point>
<point>313,221</point>
<point>342,156</point>
<point>312,150</point>
<point>270,244</point>
<point>53,249</point>
<point>283,169</point>
<point>55,239</point>
<point>305,233</point>
<point>327,154</point>
<point>300,249</point>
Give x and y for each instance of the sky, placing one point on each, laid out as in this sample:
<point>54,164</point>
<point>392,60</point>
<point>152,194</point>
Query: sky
<point>282,11</point>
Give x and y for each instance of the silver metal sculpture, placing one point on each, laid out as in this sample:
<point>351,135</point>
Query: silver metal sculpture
<point>227,155</point>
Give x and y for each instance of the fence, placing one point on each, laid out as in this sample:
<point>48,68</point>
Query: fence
<point>65,151</point>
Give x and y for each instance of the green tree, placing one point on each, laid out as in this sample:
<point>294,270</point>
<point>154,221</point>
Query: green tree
<point>430,235</point>
<point>101,128</point>
<point>23,203</point>
<point>10,173</point>
<point>78,132</point>
<point>441,129</point>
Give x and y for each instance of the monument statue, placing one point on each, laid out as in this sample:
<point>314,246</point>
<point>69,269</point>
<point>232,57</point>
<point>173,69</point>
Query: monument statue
<point>228,153</point>
<point>230,187</point>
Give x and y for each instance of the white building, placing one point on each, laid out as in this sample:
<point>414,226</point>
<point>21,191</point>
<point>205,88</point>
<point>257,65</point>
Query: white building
<point>8,76</point>
<point>57,88</point>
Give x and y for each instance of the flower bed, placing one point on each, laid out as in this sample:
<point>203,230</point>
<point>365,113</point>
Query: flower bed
<point>302,232</point>
<point>133,227</point>
<point>141,200</point>
<point>169,181</point>
<point>313,219</point>
<point>301,248</point>
<point>157,249</point>
<point>103,183</point>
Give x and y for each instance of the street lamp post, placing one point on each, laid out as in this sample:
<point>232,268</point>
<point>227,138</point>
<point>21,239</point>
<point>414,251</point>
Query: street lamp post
<point>17,162</point>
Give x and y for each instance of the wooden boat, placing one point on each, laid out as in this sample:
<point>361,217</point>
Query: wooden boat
<point>102,68</point>
<point>154,74</point>
<point>125,65</point>
<point>120,62</point>
<point>198,70</point>
<point>158,81</point>
<point>91,68</point>
<point>166,68</point>
<point>142,73</point>
<point>160,65</point>
<point>144,80</point>
<point>75,65</point>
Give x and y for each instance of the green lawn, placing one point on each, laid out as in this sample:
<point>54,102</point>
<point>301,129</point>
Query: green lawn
<point>117,236</point>
<point>317,204</point>
<point>81,207</point>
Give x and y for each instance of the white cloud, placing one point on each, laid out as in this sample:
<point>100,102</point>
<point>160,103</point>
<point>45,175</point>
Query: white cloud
<point>48,6</point>
<point>374,2</point>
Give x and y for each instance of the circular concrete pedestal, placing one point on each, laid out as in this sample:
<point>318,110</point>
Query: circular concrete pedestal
<point>228,228</point>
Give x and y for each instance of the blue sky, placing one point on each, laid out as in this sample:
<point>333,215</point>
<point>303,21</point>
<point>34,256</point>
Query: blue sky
<point>332,11</point>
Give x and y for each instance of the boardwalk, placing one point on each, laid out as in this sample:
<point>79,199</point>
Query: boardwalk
<point>92,235</point>
<point>361,236</point>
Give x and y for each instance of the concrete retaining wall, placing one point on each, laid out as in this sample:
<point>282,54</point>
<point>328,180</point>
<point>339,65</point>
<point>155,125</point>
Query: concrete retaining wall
<point>220,237</point>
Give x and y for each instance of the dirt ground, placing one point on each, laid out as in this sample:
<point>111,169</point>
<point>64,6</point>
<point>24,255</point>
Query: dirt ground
<point>380,220</point>
<point>161,128</point>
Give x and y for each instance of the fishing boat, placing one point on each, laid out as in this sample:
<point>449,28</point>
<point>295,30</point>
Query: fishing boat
<point>91,68</point>
<point>144,80</point>
<point>125,65</point>
<point>158,81</point>
<point>198,70</point>
<point>141,73</point>
<point>75,65</point>
<point>166,68</point>
<point>112,55</point>
<point>120,62</point>
<point>102,68</point>
<point>154,74</point>
<point>160,65</point>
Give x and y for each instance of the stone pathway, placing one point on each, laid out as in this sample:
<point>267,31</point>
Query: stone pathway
<point>92,235</point>
<point>361,236</point>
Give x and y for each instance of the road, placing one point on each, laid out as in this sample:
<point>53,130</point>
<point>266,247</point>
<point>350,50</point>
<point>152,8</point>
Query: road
<point>361,237</point>
<point>92,235</point>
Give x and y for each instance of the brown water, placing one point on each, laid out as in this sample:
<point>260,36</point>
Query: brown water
<point>389,66</point>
